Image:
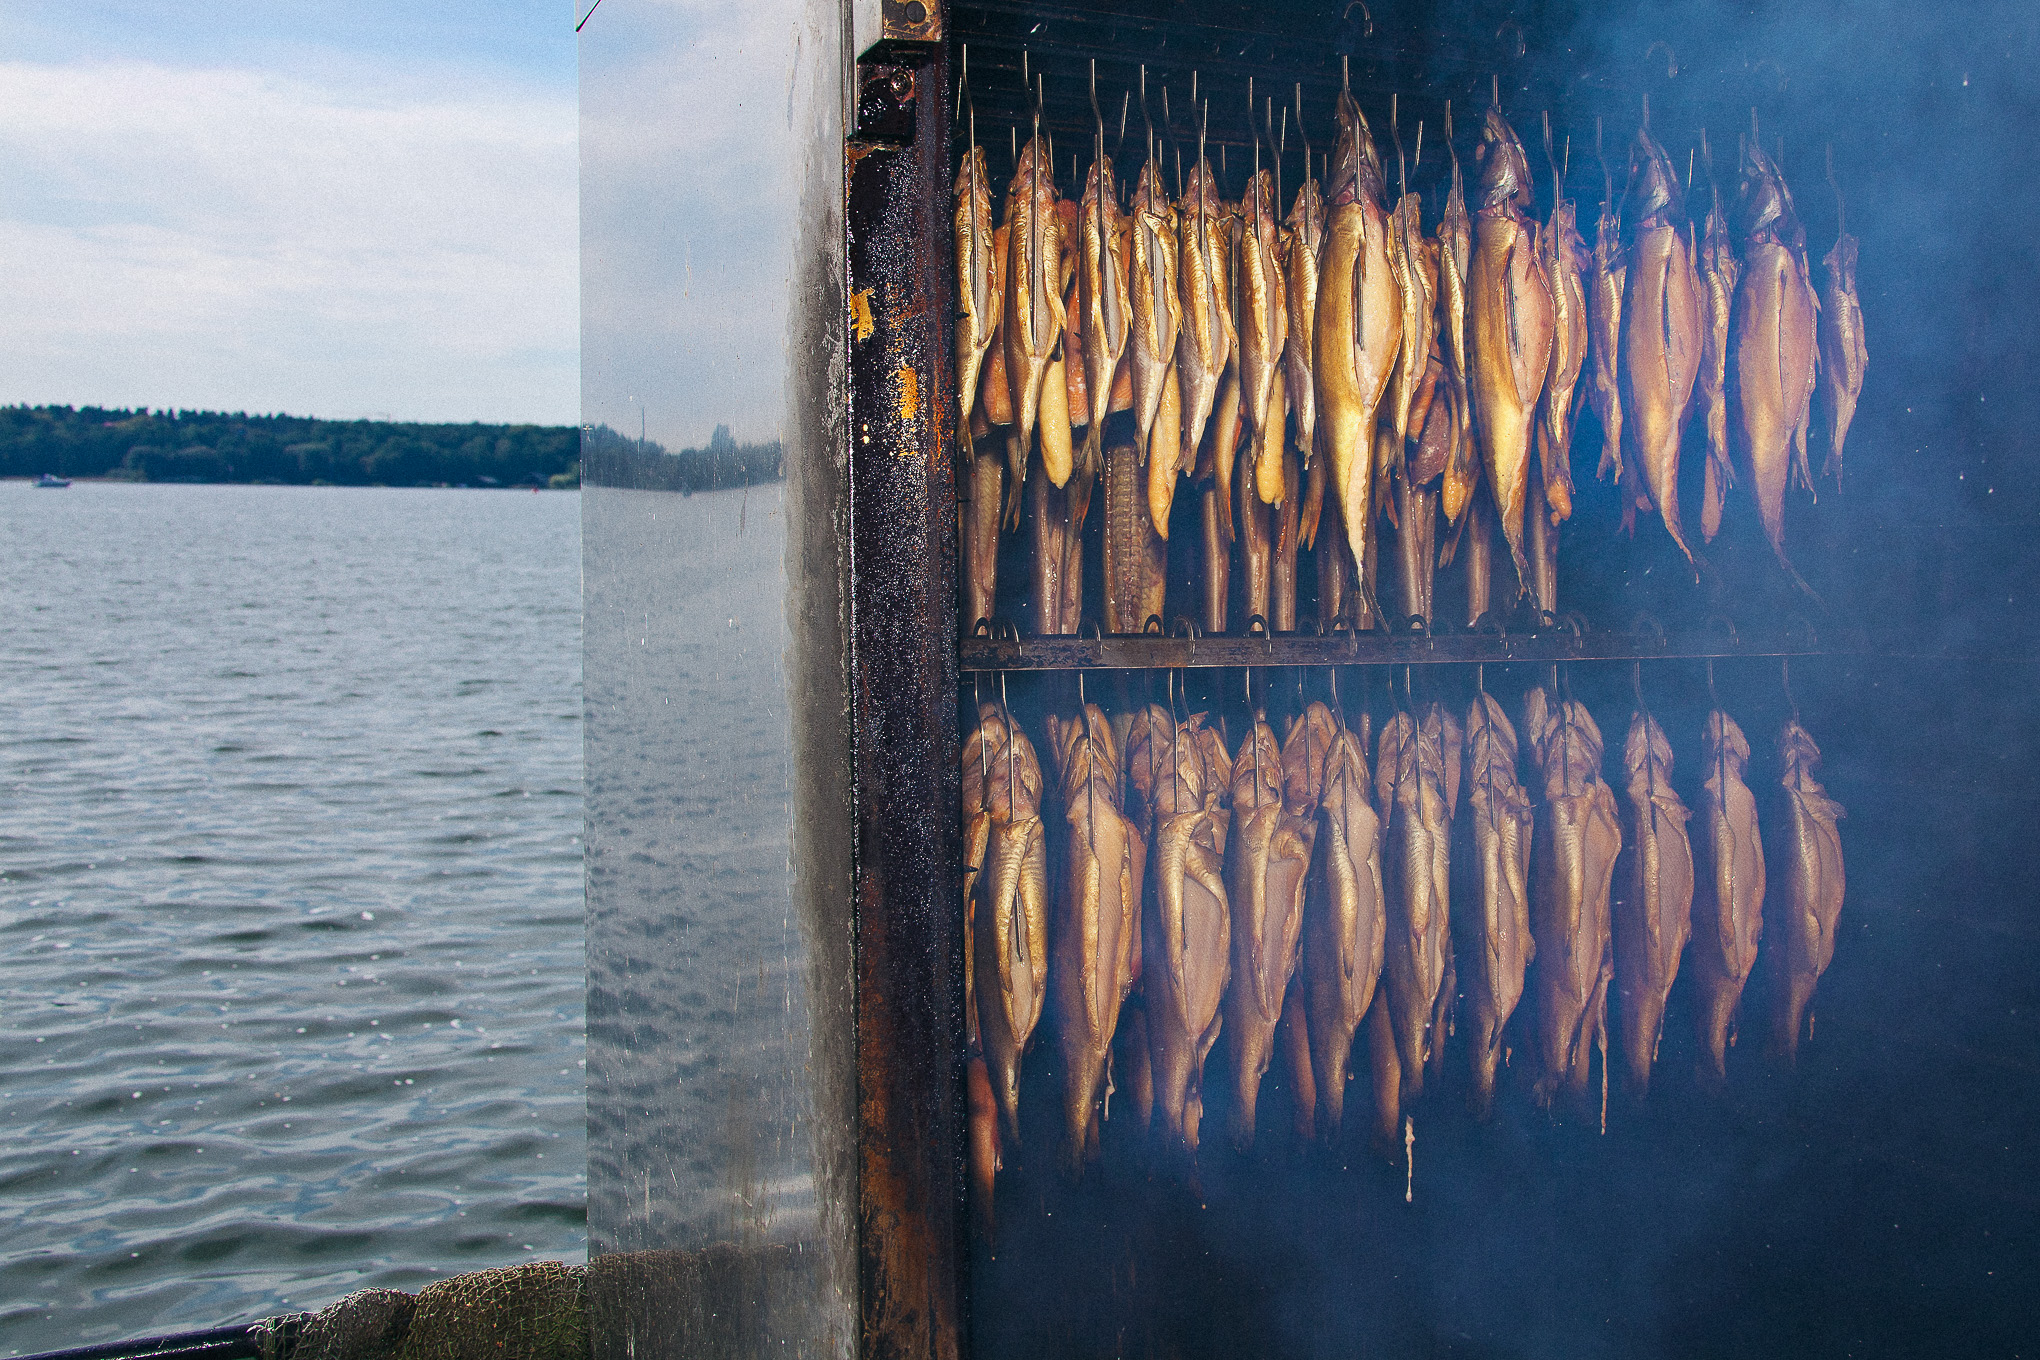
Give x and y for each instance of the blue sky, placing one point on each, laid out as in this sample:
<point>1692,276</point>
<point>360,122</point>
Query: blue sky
<point>329,207</point>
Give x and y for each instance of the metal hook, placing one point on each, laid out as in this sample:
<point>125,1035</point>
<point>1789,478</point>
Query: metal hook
<point>1346,15</point>
<point>1671,57</point>
<point>1785,679</point>
<point>1713,698</point>
<point>1841,208</point>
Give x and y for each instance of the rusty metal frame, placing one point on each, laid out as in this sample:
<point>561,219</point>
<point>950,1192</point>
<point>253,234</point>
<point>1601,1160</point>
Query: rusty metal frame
<point>903,673</point>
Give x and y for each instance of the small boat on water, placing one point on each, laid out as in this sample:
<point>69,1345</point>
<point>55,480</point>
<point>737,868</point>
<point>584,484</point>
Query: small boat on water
<point>50,479</point>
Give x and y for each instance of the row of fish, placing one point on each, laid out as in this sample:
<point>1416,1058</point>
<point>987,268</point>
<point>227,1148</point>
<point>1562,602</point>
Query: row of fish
<point>1324,375</point>
<point>1290,896</point>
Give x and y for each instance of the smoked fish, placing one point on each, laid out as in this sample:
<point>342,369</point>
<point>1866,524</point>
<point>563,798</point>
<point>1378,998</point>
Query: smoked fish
<point>1807,872</point>
<point>1263,323</point>
<point>1653,898</point>
<point>1091,931</point>
<point>1492,862</point>
<point>1301,248</point>
<point>1344,922</point>
<point>1413,261</point>
<point>1359,325</point>
<point>1411,799</point>
<point>1843,357</point>
<point>1566,263</point>
<point>1455,265</point>
<point>1267,860</point>
<point>1606,280</point>
<point>1032,313</point>
<point>1719,270</point>
<point>1009,915</point>
<point>1510,322</point>
<point>978,296</point>
<point>1575,844</point>
<point>1728,895</point>
<point>1662,328</point>
<point>1157,307</point>
<point>1103,299</point>
<point>1206,339</point>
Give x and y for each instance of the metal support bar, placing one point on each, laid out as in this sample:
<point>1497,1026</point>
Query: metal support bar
<point>1383,649</point>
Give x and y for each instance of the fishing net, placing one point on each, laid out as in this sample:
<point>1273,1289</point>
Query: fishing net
<point>535,1311</point>
<point>366,1325</point>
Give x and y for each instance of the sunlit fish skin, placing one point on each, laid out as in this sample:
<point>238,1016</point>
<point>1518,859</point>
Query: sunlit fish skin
<point>1205,341</point>
<point>1808,882</point>
<point>1576,841</point>
<point>1009,904</point>
<point>977,285</point>
<point>1344,923</point>
<point>1719,270</point>
<point>1653,899</point>
<point>1302,245</point>
<point>1565,263</point>
<point>1267,860</point>
<point>1844,358</point>
<point>1773,350</point>
<point>1509,314</point>
<point>1412,801</point>
<point>1728,895</point>
<point>1455,265</point>
<point>1031,319</point>
<point>1103,298</point>
<point>1091,932</point>
<point>1662,329</point>
<point>1186,922</point>
<point>1492,921</point>
<point>1359,322</point>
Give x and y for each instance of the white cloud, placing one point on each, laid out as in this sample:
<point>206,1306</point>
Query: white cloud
<point>225,239</point>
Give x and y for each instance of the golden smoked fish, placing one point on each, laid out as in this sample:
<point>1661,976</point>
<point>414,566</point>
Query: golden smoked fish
<point>1263,323</point>
<point>1344,923</point>
<point>1267,860</point>
<point>978,298</point>
<point>1009,901</point>
<point>1416,861</point>
<point>1031,316</point>
<point>1186,922</point>
<point>1103,298</point>
<point>1455,265</point>
<point>1772,346</point>
<point>1359,324</point>
<point>1566,263</point>
<point>1662,328</point>
<point>1653,898</point>
<point>1606,279</point>
<point>1413,262</point>
<point>1301,247</point>
<point>1205,341</point>
<point>1843,356</point>
<point>1509,317</point>
<point>1728,894</point>
<point>1091,930</point>
<point>1809,879</point>
<point>1576,841</point>
<point>1157,307</point>
<point>1492,861</point>
<point>1719,270</point>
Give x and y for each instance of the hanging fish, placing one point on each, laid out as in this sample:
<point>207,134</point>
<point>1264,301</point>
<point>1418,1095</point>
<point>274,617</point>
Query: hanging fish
<point>1662,328</point>
<point>1416,270</point>
<point>1205,341</point>
<point>1359,323</point>
<point>1719,270</point>
<point>1577,839</point>
<point>1810,881</point>
<point>1606,280</point>
<point>1344,922</point>
<point>1412,800</point>
<point>1843,356</point>
<point>1009,900</point>
<point>1092,929</point>
<point>977,278</point>
<point>979,506</point>
<point>1263,329</point>
<point>1509,313</point>
<point>1455,267</point>
<point>1032,314</point>
<point>1493,863</point>
<point>1728,894</point>
<point>1653,897</point>
<point>1566,263</point>
<point>1157,308</point>
<point>1301,249</point>
<point>1103,297</point>
<point>1267,858</point>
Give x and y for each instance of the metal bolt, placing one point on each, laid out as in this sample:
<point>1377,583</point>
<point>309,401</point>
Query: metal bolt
<point>901,84</point>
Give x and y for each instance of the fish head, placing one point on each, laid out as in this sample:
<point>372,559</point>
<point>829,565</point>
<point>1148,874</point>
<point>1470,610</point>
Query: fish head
<point>1647,752</point>
<point>1654,194</point>
<point>1307,216</point>
<point>1396,760</point>
<point>1797,754</point>
<point>973,180</point>
<point>1722,742</point>
<point>1312,734</point>
<point>1257,770</point>
<point>1841,264</point>
<point>1259,202</point>
<point>1764,206</point>
<point>1028,186</point>
<point>1356,166</point>
<point>1101,170</point>
<point>1503,164</point>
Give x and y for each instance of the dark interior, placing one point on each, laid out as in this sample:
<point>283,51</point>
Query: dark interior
<point>1880,1199</point>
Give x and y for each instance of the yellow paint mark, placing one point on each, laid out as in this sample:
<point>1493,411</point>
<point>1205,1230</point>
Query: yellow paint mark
<point>861,324</point>
<point>910,395</point>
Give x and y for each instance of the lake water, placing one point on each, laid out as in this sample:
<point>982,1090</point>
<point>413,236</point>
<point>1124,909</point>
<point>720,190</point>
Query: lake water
<point>290,898</point>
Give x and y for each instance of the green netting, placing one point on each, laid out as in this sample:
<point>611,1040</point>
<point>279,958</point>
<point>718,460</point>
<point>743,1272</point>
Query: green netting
<point>367,1325</point>
<point>529,1312</point>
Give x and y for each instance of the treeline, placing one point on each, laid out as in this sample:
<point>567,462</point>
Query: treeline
<point>612,459</point>
<point>209,446</point>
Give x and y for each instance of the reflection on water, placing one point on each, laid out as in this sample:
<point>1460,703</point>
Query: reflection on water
<point>290,920</point>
